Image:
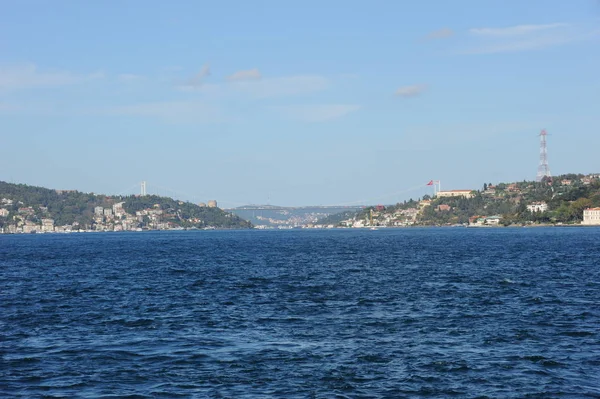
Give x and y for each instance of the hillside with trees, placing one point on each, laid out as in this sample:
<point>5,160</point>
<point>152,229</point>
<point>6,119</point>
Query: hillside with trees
<point>557,200</point>
<point>26,208</point>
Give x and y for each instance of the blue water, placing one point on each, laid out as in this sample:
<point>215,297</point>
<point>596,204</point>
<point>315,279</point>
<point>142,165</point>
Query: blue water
<point>408,313</point>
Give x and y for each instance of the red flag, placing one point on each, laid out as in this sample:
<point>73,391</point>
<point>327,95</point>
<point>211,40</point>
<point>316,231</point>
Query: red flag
<point>430,183</point>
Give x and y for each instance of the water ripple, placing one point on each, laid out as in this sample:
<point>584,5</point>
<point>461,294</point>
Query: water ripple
<point>431,313</point>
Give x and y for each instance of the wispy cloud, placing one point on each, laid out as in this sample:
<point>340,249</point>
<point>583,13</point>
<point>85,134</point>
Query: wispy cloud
<point>283,86</point>
<point>440,34</point>
<point>316,113</point>
<point>172,68</point>
<point>520,38</point>
<point>263,88</point>
<point>411,91</point>
<point>129,77</point>
<point>171,112</point>
<point>197,80</point>
<point>517,30</point>
<point>520,45</point>
<point>250,74</point>
<point>29,77</point>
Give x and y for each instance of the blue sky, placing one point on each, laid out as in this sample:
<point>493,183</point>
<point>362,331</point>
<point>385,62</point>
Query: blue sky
<point>296,103</point>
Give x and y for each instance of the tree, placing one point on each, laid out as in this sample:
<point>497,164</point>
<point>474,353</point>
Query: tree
<point>577,207</point>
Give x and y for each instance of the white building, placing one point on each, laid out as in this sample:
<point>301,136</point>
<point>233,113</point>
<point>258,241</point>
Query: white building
<point>118,209</point>
<point>4,212</point>
<point>591,216</point>
<point>493,220</point>
<point>47,225</point>
<point>108,212</point>
<point>99,211</point>
<point>455,193</point>
<point>537,207</point>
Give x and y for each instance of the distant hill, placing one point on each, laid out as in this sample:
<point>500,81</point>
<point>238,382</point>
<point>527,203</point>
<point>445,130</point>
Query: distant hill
<point>272,216</point>
<point>26,208</point>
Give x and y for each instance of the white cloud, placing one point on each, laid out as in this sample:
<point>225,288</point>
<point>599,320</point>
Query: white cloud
<point>316,113</point>
<point>520,45</point>
<point>410,91</point>
<point>264,88</point>
<point>28,77</point>
<point>440,34</point>
<point>172,112</point>
<point>524,38</point>
<point>517,30</point>
<point>250,74</point>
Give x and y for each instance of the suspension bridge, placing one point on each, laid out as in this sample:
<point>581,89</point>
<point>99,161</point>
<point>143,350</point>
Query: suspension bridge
<point>143,188</point>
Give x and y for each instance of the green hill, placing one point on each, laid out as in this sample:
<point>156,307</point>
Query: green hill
<point>26,208</point>
<point>562,198</point>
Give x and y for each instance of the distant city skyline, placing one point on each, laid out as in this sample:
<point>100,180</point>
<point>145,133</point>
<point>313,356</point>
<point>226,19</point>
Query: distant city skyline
<point>310,103</point>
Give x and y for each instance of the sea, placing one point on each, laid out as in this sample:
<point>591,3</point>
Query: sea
<point>392,313</point>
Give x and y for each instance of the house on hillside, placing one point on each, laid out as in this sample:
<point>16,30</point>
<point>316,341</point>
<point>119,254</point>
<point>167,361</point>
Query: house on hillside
<point>537,207</point>
<point>455,193</point>
<point>424,203</point>
<point>513,188</point>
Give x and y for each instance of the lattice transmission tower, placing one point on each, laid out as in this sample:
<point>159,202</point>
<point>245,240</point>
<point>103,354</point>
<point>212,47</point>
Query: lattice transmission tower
<point>543,168</point>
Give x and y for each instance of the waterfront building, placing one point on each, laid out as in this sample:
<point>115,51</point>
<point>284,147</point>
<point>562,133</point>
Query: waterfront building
<point>47,225</point>
<point>591,216</point>
<point>493,220</point>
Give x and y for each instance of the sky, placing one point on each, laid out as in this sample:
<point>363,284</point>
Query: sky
<point>296,103</point>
